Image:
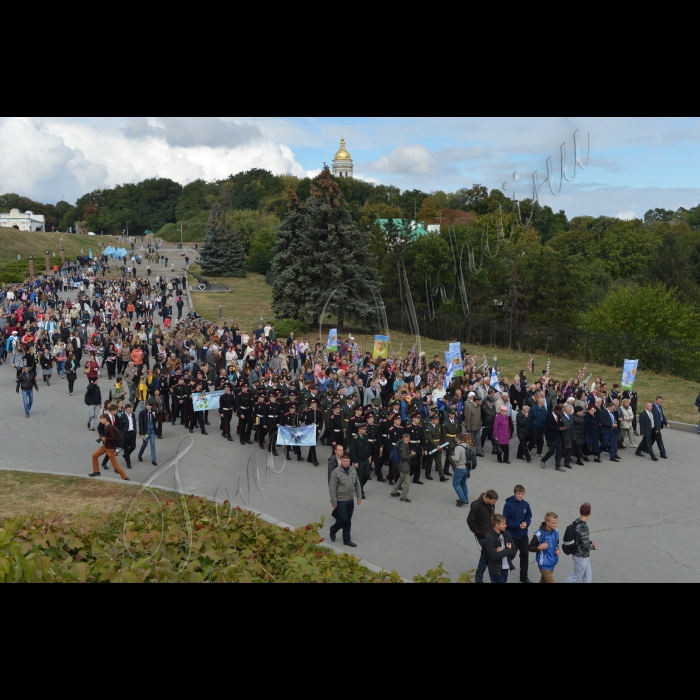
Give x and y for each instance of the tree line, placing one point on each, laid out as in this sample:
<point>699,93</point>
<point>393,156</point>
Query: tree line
<point>586,271</point>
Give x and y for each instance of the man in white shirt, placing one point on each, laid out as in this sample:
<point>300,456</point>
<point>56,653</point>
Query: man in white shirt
<point>128,426</point>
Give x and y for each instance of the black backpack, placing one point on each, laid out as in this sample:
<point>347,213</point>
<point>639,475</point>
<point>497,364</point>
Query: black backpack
<point>121,440</point>
<point>471,456</point>
<point>570,544</point>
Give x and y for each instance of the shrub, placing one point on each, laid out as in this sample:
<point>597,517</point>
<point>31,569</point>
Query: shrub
<point>284,328</point>
<point>182,540</point>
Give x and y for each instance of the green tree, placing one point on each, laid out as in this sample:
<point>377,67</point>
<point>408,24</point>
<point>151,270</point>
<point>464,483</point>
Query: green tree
<point>289,289</point>
<point>222,253</point>
<point>261,251</point>
<point>331,251</point>
<point>648,310</point>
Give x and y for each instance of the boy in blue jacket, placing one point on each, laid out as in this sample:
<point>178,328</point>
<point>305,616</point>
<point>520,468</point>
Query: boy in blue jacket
<point>518,515</point>
<point>545,543</point>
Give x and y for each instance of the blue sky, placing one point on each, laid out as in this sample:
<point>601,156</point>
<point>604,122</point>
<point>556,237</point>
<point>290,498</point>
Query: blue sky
<point>636,163</point>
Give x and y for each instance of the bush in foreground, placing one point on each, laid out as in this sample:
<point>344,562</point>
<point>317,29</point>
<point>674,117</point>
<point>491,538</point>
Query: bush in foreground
<point>176,541</point>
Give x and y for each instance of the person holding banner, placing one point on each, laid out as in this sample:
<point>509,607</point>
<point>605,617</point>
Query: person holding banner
<point>291,420</point>
<point>244,410</point>
<point>314,417</point>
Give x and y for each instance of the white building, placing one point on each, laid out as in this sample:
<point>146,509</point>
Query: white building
<point>342,163</point>
<point>24,222</point>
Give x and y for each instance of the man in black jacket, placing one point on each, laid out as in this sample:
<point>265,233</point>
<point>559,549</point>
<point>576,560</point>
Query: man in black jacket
<point>126,423</point>
<point>148,430</point>
<point>27,383</point>
<point>479,522</point>
<point>500,552</point>
<point>522,425</point>
<point>647,431</point>
<point>227,403</point>
<point>244,410</point>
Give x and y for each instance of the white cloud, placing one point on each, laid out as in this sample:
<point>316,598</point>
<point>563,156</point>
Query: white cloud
<point>46,158</point>
<point>626,215</point>
<point>406,160</point>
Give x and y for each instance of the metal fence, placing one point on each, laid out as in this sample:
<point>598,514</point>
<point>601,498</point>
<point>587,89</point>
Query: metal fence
<point>654,355</point>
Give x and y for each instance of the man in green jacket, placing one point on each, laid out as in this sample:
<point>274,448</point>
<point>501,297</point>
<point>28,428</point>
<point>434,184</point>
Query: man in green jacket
<point>404,468</point>
<point>361,455</point>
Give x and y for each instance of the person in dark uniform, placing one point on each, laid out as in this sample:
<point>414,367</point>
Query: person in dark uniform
<point>352,424</point>
<point>361,455</point>
<point>434,441</point>
<point>291,419</point>
<point>227,403</point>
<point>375,445</point>
<point>395,436</point>
<point>244,410</point>
<point>418,446</point>
<point>293,399</point>
<point>180,394</point>
<point>260,410</point>
<point>336,427</point>
<point>450,430</point>
<point>314,417</point>
<point>198,416</point>
<point>273,420</point>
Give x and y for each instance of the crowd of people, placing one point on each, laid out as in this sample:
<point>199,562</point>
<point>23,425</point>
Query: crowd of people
<point>391,421</point>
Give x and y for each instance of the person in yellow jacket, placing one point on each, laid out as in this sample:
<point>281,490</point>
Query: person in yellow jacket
<point>141,395</point>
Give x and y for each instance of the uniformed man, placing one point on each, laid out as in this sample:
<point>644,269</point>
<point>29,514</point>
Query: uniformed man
<point>336,427</point>
<point>244,411</point>
<point>291,420</point>
<point>274,417</point>
<point>434,441</point>
<point>260,410</point>
<point>417,445</point>
<point>375,446</point>
<point>180,394</point>
<point>361,455</point>
<point>227,403</point>
<point>201,378</point>
<point>348,412</point>
<point>293,398</point>
<point>314,417</point>
<point>198,416</point>
<point>450,430</point>
<point>395,436</point>
<point>352,423</point>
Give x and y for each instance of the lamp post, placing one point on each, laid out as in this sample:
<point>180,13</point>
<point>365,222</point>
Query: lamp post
<point>48,262</point>
<point>31,266</point>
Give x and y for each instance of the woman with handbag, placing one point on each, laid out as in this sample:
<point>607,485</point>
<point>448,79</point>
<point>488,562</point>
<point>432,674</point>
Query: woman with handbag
<point>92,369</point>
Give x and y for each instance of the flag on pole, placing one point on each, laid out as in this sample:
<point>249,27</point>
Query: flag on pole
<point>629,373</point>
<point>494,379</point>
<point>381,346</point>
<point>332,344</point>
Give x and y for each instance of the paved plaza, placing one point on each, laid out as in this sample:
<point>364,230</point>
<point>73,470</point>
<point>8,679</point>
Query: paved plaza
<point>645,515</point>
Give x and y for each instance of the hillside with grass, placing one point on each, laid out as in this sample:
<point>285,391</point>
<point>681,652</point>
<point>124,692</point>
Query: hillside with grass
<point>24,244</point>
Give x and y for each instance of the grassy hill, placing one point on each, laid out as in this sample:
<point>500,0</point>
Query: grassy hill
<point>14,243</point>
<point>251,298</point>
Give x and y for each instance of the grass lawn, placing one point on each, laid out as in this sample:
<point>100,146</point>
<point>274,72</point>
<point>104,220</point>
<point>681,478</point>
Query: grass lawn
<point>250,298</point>
<point>14,243</point>
<point>24,493</point>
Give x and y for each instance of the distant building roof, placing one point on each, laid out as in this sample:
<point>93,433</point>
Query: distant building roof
<point>418,229</point>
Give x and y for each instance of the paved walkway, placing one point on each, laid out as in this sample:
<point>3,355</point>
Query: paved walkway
<point>645,515</point>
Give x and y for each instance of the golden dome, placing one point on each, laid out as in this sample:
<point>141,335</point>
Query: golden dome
<point>342,154</point>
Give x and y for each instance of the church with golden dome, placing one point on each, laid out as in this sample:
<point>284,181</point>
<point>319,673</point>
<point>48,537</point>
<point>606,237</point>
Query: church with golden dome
<point>342,163</point>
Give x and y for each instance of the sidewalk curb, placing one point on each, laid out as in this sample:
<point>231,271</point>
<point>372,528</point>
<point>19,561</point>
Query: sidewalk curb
<point>685,427</point>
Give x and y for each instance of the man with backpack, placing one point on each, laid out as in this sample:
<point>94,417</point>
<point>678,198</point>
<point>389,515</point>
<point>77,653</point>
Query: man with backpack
<point>93,400</point>
<point>401,456</point>
<point>578,544</point>
<point>464,461</point>
<point>545,543</point>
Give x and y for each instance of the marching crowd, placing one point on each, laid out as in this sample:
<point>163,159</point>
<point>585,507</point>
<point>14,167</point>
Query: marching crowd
<point>392,421</point>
